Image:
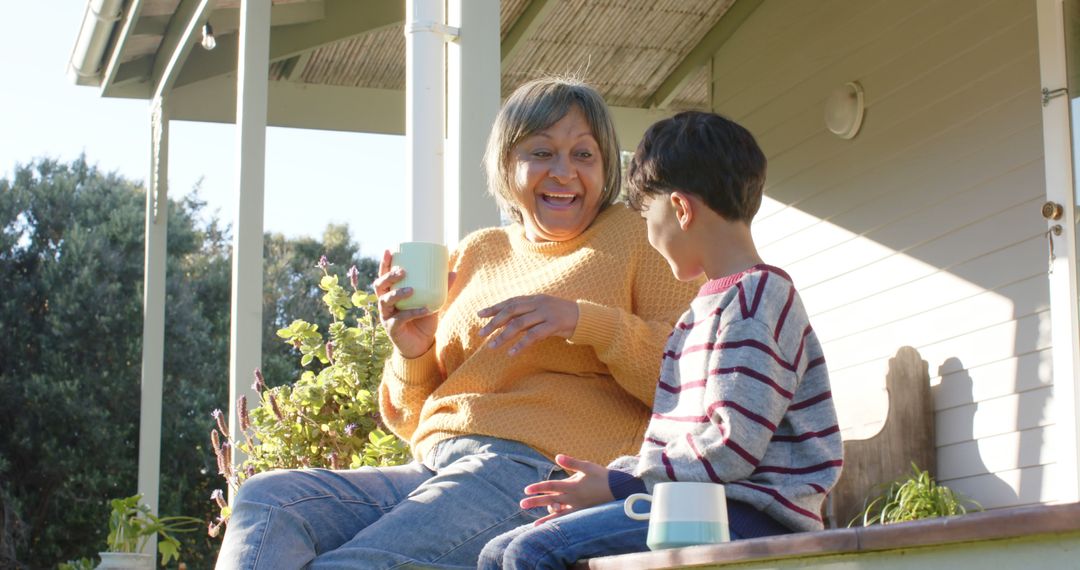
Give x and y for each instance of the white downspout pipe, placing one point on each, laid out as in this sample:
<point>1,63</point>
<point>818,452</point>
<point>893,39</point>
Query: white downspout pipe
<point>84,68</point>
<point>425,89</point>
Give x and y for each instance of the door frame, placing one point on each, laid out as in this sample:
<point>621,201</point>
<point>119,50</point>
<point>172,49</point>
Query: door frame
<point>1060,188</point>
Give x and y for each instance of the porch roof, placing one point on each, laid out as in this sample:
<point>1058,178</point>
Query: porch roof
<point>640,55</point>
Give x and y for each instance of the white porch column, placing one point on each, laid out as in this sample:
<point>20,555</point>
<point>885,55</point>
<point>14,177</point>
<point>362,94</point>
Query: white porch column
<point>153,340</point>
<point>245,335</point>
<point>473,85</point>
<point>425,80</point>
<point>1064,314</point>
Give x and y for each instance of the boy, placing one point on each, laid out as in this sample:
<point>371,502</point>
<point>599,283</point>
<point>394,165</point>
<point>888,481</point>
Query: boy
<point>743,397</point>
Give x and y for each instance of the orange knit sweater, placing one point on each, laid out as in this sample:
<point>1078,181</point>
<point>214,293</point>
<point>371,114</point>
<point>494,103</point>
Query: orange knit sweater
<point>589,397</point>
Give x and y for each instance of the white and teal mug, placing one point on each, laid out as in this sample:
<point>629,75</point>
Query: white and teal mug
<point>683,514</point>
<point>426,268</point>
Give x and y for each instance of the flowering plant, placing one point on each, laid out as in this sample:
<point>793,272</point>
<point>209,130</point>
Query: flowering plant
<point>328,417</point>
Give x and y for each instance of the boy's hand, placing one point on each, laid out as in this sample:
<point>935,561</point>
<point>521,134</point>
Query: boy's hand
<point>587,487</point>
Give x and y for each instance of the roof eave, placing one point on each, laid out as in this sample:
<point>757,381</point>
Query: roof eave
<point>99,20</point>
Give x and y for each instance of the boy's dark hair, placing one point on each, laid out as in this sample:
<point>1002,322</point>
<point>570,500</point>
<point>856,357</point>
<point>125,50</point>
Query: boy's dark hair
<point>703,154</point>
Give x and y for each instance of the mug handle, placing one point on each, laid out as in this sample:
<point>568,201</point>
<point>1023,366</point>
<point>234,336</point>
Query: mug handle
<point>628,506</point>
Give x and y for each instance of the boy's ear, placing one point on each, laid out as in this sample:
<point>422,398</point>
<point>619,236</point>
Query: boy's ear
<point>684,209</point>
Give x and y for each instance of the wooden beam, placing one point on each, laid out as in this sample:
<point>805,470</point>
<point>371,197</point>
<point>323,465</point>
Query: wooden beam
<point>235,4</point>
<point>524,27</point>
<point>134,71</point>
<point>131,79</point>
<point>297,65</point>
<point>139,90</point>
<point>297,105</point>
<point>344,19</point>
<point>151,26</point>
<point>710,43</point>
<point>228,19</point>
<point>631,122</point>
<point>186,22</point>
<point>126,31</point>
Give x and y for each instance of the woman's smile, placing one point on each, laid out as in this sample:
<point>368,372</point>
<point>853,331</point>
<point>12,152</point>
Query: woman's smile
<point>559,173</point>
<point>559,200</point>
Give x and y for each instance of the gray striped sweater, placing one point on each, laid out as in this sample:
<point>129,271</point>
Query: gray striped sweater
<point>744,400</point>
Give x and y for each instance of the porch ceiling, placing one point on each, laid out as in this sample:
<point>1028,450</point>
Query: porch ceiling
<point>638,53</point>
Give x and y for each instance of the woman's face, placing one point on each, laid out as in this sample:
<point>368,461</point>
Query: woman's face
<point>559,178</point>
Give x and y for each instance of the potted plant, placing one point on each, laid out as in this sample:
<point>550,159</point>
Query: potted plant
<point>131,525</point>
<point>915,497</point>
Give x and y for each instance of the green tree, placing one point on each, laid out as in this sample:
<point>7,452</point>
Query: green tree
<point>71,264</point>
<point>71,276</point>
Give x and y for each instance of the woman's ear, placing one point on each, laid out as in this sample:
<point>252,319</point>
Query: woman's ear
<point>684,209</point>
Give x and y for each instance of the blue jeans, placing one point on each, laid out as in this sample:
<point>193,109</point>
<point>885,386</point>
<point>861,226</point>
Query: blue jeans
<point>433,515</point>
<point>603,530</point>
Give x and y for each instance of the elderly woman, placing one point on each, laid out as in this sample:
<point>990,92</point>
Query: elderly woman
<point>549,341</point>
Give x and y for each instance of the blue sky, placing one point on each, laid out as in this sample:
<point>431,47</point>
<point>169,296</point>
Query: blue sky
<point>312,177</point>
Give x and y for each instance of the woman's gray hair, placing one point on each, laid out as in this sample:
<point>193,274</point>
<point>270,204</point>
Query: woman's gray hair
<point>533,107</point>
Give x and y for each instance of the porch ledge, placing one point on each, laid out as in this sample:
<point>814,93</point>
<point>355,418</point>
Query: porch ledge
<point>1012,523</point>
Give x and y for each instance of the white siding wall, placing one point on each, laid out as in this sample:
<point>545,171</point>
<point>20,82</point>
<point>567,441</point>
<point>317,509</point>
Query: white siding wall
<point>924,230</point>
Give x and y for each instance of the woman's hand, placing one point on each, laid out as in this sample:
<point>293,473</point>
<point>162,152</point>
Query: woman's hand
<point>412,331</point>
<point>587,487</point>
<point>529,319</point>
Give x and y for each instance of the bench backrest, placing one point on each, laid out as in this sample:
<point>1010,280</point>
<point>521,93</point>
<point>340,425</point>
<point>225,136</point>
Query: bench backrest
<point>907,436</point>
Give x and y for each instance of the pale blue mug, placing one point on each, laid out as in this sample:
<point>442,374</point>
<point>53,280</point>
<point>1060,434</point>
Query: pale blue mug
<point>683,514</point>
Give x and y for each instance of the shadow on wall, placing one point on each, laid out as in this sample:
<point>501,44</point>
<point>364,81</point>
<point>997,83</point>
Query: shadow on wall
<point>968,465</point>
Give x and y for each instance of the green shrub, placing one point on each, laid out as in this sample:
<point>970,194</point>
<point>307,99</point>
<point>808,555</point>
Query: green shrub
<point>915,497</point>
<point>327,418</point>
